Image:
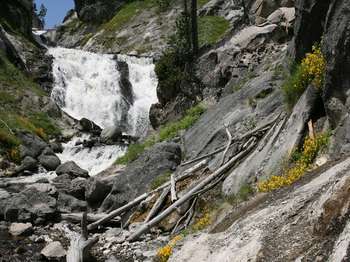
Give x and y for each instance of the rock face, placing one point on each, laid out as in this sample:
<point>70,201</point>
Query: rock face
<point>96,11</point>
<point>88,126</point>
<point>96,191</point>
<point>138,176</point>
<point>72,169</point>
<point>12,10</point>
<point>307,221</point>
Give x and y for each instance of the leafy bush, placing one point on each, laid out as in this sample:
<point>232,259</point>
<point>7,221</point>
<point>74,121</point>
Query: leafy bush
<point>310,71</point>
<point>211,29</point>
<point>303,161</point>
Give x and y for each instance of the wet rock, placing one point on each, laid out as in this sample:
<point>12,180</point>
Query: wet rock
<point>111,134</point>
<point>28,164</point>
<point>20,229</point>
<point>49,162</point>
<point>56,147</point>
<point>74,187</point>
<point>89,126</point>
<point>31,145</point>
<point>54,251</point>
<point>29,205</point>
<point>138,175</point>
<point>69,204</point>
<point>96,191</point>
<point>72,169</point>
<point>48,151</point>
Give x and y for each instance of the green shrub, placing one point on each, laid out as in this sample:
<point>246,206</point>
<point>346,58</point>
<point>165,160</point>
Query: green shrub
<point>211,29</point>
<point>310,71</point>
<point>8,140</point>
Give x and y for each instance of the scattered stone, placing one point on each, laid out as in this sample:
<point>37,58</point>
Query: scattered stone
<point>54,251</point>
<point>72,169</point>
<point>69,204</point>
<point>20,229</point>
<point>49,162</point>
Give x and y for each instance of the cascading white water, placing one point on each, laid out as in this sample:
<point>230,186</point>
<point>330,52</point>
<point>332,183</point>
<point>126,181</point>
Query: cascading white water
<point>87,85</point>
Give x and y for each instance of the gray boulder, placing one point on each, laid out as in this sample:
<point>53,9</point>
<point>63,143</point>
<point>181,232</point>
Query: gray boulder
<point>69,204</point>
<point>30,205</point>
<point>20,229</point>
<point>28,164</point>
<point>111,134</point>
<point>72,169</point>
<point>89,126</point>
<point>56,147</point>
<point>138,175</point>
<point>54,251</point>
<point>31,145</point>
<point>74,187</point>
<point>96,191</point>
<point>49,162</point>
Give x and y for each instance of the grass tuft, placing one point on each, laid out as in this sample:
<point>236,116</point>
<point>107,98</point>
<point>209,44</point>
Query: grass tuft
<point>211,29</point>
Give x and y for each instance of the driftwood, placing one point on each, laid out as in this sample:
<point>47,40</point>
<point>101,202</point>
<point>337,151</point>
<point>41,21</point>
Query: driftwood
<point>173,188</point>
<point>76,217</point>
<point>251,133</point>
<point>157,205</point>
<point>79,247</point>
<point>188,215</point>
<point>311,129</point>
<point>191,193</point>
<point>144,196</point>
<point>227,147</point>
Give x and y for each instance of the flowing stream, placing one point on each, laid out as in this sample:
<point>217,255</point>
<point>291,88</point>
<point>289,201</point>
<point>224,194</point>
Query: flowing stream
<point>87,85</point>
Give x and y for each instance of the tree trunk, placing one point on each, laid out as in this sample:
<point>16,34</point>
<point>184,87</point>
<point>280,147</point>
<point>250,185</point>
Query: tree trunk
<point>194,30</point>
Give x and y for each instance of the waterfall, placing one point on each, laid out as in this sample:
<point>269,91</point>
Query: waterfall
<point>87,85</point>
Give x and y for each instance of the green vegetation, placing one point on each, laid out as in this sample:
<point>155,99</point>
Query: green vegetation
<point>126,13</point>
<point>16,115</point>
<point>211,29</point>
<point>310,71</point>
<point>202,3</point>
<point>160,180</point>
<point>166,132</point>
<point>243,194</point>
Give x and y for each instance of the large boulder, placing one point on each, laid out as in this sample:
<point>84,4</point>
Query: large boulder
<point>54,251</point>
<point>69,204</point>
<point>49,162</point>
<point>138,175</point>
<point>89,126</point>
<point>72,169</point>
<point>20,229</point>
<point>31,205</point>
<point>112,134</point>
<point>96,191</point>
<point>32,145</point>
<point>28,164</point>
<point>74,187</point>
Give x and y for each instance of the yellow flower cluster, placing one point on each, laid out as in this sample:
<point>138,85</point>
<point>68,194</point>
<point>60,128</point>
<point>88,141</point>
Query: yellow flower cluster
<point>311,148</point>
<point>202,222</point>
<point>313,67</point>
<point>165,252</point>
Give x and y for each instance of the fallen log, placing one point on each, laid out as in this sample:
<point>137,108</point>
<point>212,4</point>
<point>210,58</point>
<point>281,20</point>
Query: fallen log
<point>140,198</point>
<point>80,246</point>
<point>263,128</point>
<point>173,188</point>
<point>191,193</point>
<point>227,146</point>
<point>76,217</point>
<point>157,204</point>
